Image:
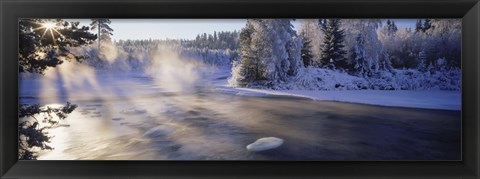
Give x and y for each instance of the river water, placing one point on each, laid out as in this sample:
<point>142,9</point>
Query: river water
<point>151,123</point>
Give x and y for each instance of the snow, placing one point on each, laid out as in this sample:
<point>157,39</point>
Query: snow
<point>324,79</point>
<point>434,99</point>
<point>250,93</point>
<point>425,99</point>
<point>448,100</point>
<point>411,79</point>
<point>266,143</point>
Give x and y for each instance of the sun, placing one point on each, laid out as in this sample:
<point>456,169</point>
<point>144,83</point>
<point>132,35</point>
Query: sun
<point>48,25</point>
<point>50,28</point>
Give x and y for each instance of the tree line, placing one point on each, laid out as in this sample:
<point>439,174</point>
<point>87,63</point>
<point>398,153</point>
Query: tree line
<point>218,40</point>
<point>271,51</point>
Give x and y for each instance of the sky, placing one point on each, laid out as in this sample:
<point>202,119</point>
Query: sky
<point>137,29</point>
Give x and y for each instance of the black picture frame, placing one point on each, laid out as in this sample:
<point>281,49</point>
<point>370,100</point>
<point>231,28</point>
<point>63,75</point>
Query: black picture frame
<point>12,10</point>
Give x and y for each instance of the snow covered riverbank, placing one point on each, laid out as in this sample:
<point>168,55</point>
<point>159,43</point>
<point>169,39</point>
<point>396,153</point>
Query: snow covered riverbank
<point>425,99</point>
<point>446,100</point>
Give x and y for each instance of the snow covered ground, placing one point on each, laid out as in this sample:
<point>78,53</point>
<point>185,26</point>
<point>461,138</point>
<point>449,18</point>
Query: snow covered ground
<point>426,99</point>
<point>447,100</point>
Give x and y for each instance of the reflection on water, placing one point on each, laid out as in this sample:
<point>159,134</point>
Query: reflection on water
<point>208,125</point>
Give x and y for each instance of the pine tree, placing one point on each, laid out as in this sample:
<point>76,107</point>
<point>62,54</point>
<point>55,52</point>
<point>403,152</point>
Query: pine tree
<point>293,45</point>
<point>270,53</point>
<point>388,36</point>
<point>332,47</point>
<point>322,23</point>
<point>32,135</point>
<point>391,28</point>
<point>358,55</point>
<point>422,61</point>
<point>419,25</point>
<point>443,41</point>
<point>426,25</point>
<point>423,26</point>
<point>312,38</point>
<point>44,44</point>
<point>307,56</point>
<point>104,31</point>
<point>219,40</point>
<point>246,69</point>
<point>374,52</point>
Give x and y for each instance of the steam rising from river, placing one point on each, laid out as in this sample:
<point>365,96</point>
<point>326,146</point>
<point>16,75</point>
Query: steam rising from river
<point>173,72</point>
<point>164,66</point>
<point>118,102</point>
<point>111,53</point>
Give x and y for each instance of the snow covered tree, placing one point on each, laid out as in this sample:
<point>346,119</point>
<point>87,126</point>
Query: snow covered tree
<point>286,47</point>
<point>390,28</point>
<point>405,45</point>
<point>44,43</point>
<point>333,52</point>
<point>423,25</point>
<point>272,48</point>
<point>106,52</point>
<point>418,25</point>
<point>375,56</point>
<point>322,23</point>
<point>245,70</point>
<point>307,56</point>
<point>434,39</point>
<point>312,37</point>
<point>426,25</point>
<point>358,56</point>
<point>444,41</point>
<point>399,44</point>
<point>220,40</point>
<point>104,31</point>
<point>422,60</point>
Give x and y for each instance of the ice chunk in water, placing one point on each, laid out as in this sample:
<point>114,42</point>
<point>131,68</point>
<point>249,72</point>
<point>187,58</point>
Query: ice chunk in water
<point>266,143</point>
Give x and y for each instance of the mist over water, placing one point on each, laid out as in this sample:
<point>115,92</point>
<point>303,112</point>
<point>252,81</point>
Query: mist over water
<point>212,126</point>
<point>170,111</point>
<point>173,72</point>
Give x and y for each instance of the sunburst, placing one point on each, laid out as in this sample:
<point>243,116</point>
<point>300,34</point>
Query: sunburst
<point>48,27</point>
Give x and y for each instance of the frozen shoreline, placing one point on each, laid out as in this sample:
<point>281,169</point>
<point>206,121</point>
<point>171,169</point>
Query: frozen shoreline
<point>433,99</point>
<point>424,99</point>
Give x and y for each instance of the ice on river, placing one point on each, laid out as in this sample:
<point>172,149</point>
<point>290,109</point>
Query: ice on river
<point>265,143</point>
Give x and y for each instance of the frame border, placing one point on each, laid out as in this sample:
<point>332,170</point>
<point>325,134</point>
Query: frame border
<point>12,10</point>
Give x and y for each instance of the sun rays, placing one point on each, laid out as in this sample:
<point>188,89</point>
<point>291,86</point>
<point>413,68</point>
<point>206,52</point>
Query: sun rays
<point>49,27</point>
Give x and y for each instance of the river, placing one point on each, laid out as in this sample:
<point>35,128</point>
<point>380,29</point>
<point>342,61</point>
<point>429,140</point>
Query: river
<point>205,124</point>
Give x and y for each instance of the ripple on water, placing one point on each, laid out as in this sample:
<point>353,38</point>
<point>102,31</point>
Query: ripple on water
<point>133,111</point>
<point>118,118</point>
